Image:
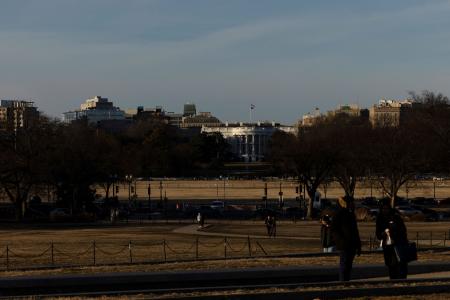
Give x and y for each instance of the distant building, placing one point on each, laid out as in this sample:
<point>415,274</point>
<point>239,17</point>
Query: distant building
<point>310,119</point>
<point>200,120</point>
<point>351,110</point>
<point>249,141</point>
<point>189,110</point>
<point>95,110</point>
<point>146,114</point>
<point>15,114</point>
<point>174,119</point>
<point>390,112</point>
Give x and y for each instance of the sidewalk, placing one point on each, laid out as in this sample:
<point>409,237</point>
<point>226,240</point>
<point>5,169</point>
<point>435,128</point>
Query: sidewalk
<point>194,230</point>
<point>29,285</point>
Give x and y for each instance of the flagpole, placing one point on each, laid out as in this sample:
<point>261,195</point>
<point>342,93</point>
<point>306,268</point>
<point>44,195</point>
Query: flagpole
<point>251,114</point>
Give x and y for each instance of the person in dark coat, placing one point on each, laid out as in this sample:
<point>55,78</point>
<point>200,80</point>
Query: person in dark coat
<point>325,234</point>
<point>271,224</point>
<point>344,230</point>
<point>391,231</point>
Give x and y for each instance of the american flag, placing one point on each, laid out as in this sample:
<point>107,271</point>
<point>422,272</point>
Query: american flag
<point>252,106</point>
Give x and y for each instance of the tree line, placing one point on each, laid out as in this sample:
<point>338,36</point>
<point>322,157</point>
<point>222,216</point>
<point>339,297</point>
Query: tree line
<point>72,158</point>
<point>347,149</point>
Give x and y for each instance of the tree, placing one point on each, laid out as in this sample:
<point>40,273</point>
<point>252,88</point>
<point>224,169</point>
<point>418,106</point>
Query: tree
<point>24,162</point>
<point>309,156</point>
<point>75,164</point>
<point>396,156</point>
<point>209,150</point>
<point>432,119</point>
<point>351,137</point>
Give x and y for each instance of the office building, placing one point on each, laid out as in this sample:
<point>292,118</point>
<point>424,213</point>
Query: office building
<point>94,110</point>
<point>16,114</point>
<point>390,112</point>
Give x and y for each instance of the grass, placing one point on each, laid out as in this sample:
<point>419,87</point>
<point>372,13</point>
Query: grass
<point>72,246</point>
<point>254,189</point>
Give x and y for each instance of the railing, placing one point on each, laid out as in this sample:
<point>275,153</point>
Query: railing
<point>94,253</point>
<point>422,239</point>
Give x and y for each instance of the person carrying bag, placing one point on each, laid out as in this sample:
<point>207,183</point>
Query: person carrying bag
<point>391,231</point>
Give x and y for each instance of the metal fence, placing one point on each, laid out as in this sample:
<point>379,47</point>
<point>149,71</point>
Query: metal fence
<point>51,255</point>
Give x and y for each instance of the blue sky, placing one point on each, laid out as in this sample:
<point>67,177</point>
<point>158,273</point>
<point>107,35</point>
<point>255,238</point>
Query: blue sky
<point>286,57</point>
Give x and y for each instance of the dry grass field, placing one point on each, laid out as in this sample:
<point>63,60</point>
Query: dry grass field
<point>254,189</point>
<point>73,245</point>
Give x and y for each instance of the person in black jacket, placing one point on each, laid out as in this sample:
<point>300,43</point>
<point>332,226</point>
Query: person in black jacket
<point>391,231</point>
<point>346,236</point>
<point>325,234</point>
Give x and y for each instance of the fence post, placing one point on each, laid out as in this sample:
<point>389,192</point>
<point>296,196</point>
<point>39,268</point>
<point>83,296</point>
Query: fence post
<point>225,246</point>
<point>52,254</point>
<point>249,246</point>
<point>93,252</point>
<point>7,257</point>
<point>370,243</point>
<point>445,237</point>
<point>164,250</point>
<point>196,248</point>
<point>431,238</point>
<point>129,251</point>
<point>417,239</point>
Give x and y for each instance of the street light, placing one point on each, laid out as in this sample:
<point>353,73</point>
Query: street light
<point>129,178</point>
<point>149,192</point>
<point>434,188</point>
<point>217,191</point>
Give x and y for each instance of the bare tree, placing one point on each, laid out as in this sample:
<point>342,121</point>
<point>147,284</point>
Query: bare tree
<point>24,162</point>
<point>351,137</point>
<point>310,157</point>
<point>396,156</point>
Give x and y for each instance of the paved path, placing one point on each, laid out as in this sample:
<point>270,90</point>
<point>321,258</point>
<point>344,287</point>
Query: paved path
<point>194,230</point>
<point>137,281</point>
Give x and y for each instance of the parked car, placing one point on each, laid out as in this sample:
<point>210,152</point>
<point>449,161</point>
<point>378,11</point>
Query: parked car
<point>370,202</point>
<point>208,211</point>
<point>218,205</point>
<point>262,213</point>
<point>59,214</point>
<point>422,201</point>
<point>408,211</point>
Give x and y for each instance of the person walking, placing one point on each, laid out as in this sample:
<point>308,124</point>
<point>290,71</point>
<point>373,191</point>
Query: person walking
<point>200,220</point>
<point>325,234</point>
<point>271,225</point>
<point>274,226</point>
<point>391,231</point>
<point>268,222</point>
<point>345,234</point>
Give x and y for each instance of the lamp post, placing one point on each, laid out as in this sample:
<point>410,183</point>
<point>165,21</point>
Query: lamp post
<point>217,191</point>
<point>224,189</point>
<point>434,189</point>
<point>160,194</point>
<point>265,195</point>
<point>129,178</point>
<point>149,192</point>
<point>280,198</point>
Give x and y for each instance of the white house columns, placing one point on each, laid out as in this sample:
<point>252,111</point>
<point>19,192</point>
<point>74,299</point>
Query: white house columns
<point>249,142</point>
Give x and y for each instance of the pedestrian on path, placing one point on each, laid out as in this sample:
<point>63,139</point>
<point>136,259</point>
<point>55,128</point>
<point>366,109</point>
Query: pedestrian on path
<point>344,230</point>
<point>271,225</point>
<point>200,220</point>
<point>391,231</point>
